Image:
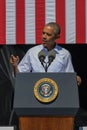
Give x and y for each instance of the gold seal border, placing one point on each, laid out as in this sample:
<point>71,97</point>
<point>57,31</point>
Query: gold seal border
<point>49,99</point>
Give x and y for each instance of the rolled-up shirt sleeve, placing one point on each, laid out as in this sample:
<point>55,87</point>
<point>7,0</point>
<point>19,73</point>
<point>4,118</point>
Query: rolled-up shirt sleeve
<point>68,66</point>
<point>25,65</point>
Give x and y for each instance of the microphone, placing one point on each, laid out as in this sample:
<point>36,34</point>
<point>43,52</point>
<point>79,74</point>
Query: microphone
<point>41,57</point>
<point>51,56</point>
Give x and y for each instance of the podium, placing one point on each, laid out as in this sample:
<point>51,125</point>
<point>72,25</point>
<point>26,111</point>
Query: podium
<point>56,115</point>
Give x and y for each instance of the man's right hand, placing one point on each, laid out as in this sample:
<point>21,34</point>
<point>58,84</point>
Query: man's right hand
<point>14,60</point>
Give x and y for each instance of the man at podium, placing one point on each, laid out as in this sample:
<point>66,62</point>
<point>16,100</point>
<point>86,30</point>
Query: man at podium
<point>46,57</point>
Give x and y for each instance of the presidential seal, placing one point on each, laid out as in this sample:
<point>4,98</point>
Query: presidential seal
<point>46,90</point>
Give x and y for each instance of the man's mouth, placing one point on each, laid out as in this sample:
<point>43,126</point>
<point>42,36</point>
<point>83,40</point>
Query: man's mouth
<point>44,41</point>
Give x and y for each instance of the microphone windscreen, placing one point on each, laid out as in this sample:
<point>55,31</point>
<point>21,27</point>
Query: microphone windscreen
<point>52,54</point>
<point>41,55</point>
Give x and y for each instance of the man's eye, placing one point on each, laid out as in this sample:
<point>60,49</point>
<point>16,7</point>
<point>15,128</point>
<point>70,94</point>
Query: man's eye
<point>48,34</point>
<point>43,33</point>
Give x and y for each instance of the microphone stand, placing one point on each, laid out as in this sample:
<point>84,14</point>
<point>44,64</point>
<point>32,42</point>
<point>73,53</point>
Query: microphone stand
<point>46,67</point>
<point>47,64</point>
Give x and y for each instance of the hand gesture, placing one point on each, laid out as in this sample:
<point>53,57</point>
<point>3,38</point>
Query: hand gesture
<point>14,60</point>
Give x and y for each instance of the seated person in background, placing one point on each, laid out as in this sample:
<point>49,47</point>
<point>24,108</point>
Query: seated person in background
<point>46,57</point>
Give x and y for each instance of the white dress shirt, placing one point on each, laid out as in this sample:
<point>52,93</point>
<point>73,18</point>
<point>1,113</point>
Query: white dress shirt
<point>31,62</point>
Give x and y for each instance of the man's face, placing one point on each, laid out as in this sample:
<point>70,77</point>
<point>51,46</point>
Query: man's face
<point>48,37</point>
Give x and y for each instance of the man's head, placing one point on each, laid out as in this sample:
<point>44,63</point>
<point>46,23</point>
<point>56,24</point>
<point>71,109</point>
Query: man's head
<point>50,33</point>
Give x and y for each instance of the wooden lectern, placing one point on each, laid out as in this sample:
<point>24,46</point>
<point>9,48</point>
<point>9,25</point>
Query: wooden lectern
<point>56,115</point>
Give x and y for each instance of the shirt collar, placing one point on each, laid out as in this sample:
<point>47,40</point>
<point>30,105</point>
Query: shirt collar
<point>57,48</point>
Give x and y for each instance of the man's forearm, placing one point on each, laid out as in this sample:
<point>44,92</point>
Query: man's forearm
<point>15,70</point>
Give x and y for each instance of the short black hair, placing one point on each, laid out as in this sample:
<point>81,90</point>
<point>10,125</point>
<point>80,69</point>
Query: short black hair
<point>55,26</point>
